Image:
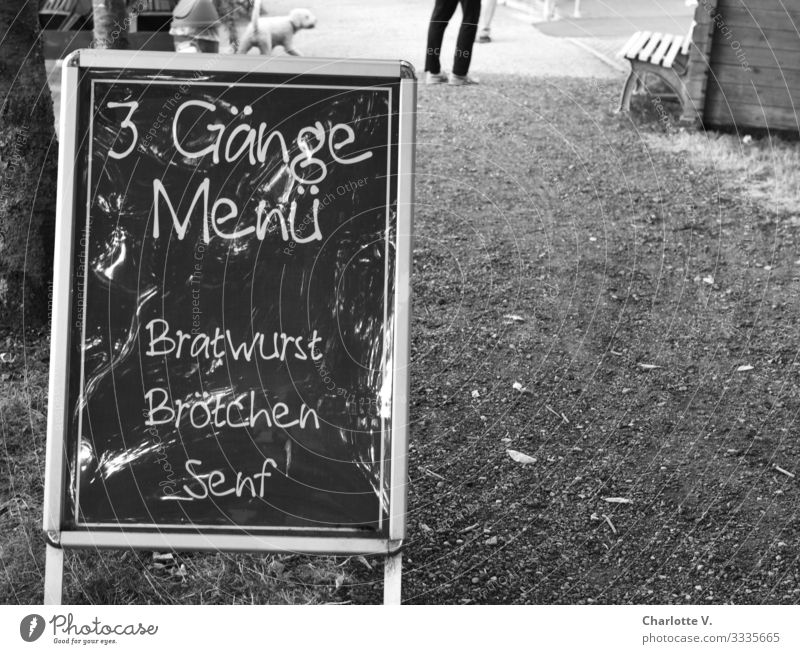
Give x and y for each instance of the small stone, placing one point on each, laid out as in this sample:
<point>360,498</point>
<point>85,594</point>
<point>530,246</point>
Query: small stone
<point>491,541</point>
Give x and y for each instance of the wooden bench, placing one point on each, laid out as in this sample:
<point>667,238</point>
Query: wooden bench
<point>680,61</point>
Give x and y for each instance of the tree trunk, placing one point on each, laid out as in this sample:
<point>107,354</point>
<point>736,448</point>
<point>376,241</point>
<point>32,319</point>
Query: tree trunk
<point>111,24</point>
<point>28,169</point>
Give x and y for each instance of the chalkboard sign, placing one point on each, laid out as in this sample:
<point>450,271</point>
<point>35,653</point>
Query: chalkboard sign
<point>231,303</point>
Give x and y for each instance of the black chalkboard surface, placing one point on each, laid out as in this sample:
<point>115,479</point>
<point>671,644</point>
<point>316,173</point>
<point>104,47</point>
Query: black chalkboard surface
<point>238,266</point>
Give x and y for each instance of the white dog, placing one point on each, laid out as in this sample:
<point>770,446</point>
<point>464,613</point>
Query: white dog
<point>267,32</point>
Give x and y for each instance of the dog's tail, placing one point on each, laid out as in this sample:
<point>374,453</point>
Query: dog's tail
<point>255,16</point>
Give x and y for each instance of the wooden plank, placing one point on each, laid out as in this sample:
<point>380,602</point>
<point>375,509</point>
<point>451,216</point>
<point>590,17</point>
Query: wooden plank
<point>753,37</point>
<point>759,8</point>
<point>644,37</point>
<point>636,45</point>
<point>674,49</point>
<point>749,94</point>
<point>723,53</point>
<point>788,19</point>
<point>662,48</point>
<point>768,5</point>
<point>629,44</point>
<point>761,77</point>
<point>58,7</point>
<point>751,116</point>
<point>652,44</point>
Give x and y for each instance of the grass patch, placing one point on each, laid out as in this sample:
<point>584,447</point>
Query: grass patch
<point>766,169</point>
<point>23,408</point>
<point>139,577</point>
<point>763,166</point>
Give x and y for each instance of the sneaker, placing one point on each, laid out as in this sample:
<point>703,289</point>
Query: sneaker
<point>461,80</point>
<point>484,38</point>
<point>435,78</point>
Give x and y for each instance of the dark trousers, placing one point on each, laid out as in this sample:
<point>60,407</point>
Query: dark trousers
<point>443,11</point>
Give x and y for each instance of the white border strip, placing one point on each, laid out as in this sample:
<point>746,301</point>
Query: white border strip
<point>84,308</point>
<point>402,326</point>
<point>238,63</point>
<point>226,542</point>
<point>62,300</point>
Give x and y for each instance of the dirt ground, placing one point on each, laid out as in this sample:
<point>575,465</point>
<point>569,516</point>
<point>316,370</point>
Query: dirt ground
<point>646,309</point>
<point>622,312</point>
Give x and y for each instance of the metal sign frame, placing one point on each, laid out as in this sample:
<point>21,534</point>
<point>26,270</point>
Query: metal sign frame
<point>58,534</point>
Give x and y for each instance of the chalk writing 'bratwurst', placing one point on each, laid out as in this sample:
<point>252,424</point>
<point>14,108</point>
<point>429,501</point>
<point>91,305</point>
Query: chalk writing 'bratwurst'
<point>275,346</point>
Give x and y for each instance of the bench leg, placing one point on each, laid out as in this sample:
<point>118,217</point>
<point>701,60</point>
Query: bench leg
<point>627,91</point>
<point>689,113</point>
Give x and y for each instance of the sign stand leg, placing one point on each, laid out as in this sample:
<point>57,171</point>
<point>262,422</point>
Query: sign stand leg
<point>392,579</point>
<point>53,574</point>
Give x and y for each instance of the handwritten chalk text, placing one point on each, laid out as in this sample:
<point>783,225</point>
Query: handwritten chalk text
<point>277,346</point>
<point>216,484</point>
<point>207,410</point>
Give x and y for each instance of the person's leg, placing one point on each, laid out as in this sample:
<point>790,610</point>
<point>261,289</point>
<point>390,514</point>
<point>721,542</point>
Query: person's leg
<point>443,11</point>
<point>466,36</point>
<point>487,14</point>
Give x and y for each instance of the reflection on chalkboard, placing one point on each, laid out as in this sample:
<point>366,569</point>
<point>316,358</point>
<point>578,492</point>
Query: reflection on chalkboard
<point>233,318</point>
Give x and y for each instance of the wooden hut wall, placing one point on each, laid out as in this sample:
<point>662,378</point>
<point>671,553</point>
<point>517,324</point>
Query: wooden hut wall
<point>754,81</point>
